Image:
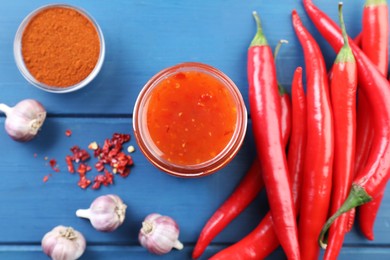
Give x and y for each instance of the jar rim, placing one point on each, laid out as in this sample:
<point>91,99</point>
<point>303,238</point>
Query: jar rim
<point>22,66</point>
<point>196,170</point>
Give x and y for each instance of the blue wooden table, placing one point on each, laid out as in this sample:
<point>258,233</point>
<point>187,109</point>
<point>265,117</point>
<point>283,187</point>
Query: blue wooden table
<point>143,37</point>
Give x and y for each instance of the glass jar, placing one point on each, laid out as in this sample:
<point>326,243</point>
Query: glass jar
<point>195,77</point>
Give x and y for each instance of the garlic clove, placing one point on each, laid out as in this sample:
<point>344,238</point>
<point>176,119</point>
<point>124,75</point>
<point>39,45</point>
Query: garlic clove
<point>24,119</point>
<point>63,243</point>
<point>106,213</point>
<point>159,234</point>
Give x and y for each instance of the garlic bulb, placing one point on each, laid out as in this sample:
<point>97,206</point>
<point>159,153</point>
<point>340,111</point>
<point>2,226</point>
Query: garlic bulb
<point>106,213</point>
<point>24,120</point>
<point>159,234</point>
<point>63,243</point>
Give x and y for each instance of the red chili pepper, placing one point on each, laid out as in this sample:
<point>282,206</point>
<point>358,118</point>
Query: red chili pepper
<point>358,39</point>
<point>375,45</point>
<point>373,178</point>
<point>343,96</point>
<point>242,196</point>
<point>367,215</point>
<point>375,33</point>
<point>285,103</point>
<point>263,240</point>
<point>245,192</point>
<point>317,178</point>
<point>364,135</point>
<point>297,147</point>
<point>285,117</point>
<point>265,108</point>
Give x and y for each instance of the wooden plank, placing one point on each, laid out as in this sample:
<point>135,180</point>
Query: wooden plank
<point>30,204</point>
<point>137,252</point>
<point>144,37</point>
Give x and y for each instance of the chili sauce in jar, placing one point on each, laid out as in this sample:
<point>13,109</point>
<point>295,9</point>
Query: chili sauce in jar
<point>190,120</point>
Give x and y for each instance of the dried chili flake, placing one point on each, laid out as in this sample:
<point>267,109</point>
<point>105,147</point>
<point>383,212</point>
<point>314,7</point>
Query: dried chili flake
<point>46,178</point>
<point>96,185</point>
<point>97,153</point>
<point>113,152</point>
<point>53,165</point>
<point>74,149</point>
<point>69,163</point>
<point>83,169</point>
<point>84,182</point>
<point>109,178</point>
<point>110,153</point>
<point>79,155</point>
<point>99,166</point>
<point>125,172</point>
<point>98,181</point>
<point>68,132</point>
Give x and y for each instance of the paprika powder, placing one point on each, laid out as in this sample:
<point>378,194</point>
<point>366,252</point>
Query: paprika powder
<point>60,46</point>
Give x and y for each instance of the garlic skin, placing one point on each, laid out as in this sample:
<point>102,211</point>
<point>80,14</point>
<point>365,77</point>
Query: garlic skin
<point>106,213</point>
<point>63,243</point>
<point>24,119</point>
<point>159,234</point>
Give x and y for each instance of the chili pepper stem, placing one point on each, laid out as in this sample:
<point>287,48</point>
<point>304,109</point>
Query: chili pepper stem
<point>281,89</point>
<point>278,46</point>
<point>5,109</point>
<point>83,213</point>
<point>357,196</point>
<point>375,2</point>
<point>259,39</point>
<point>345,54</point>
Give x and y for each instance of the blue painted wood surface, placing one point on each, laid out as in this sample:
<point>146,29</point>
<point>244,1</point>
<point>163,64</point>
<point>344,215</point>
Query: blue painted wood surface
<point>143,37</point>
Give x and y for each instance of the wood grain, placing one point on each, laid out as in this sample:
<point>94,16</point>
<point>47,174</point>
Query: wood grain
<point>143,37</point>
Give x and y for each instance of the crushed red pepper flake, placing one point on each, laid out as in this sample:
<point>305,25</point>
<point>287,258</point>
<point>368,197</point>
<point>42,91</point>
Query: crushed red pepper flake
<point>68,132</point>
<point>53,165</point>
<point>84,182</point>
<point>69,163</point>
<point>110,154</point>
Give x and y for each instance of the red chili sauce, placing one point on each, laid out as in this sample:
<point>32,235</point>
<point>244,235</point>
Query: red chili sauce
<point>191,117</point>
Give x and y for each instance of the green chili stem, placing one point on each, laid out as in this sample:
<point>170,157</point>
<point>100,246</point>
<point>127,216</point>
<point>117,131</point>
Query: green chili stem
<point>281,89</point>
<point>345,54</point>
<point>259,39</point>
<point>357,196</point>
<point>375,2</point>
<point>278,46</point>
<point>342,23</point>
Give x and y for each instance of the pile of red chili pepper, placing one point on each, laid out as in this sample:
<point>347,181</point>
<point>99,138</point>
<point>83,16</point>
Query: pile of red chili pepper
<point>336,156</point>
